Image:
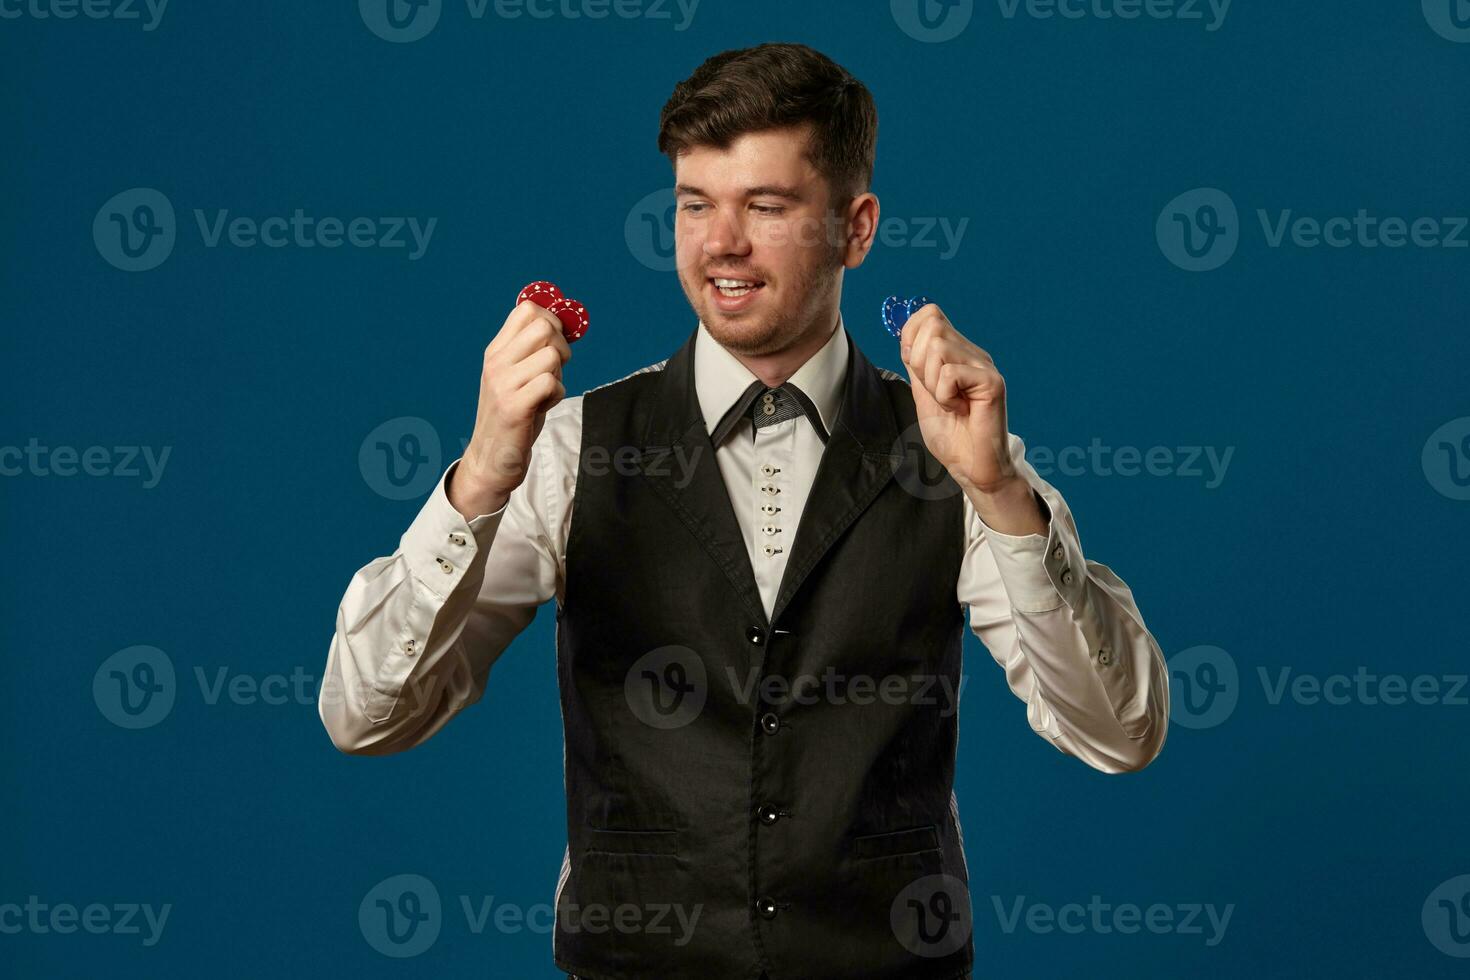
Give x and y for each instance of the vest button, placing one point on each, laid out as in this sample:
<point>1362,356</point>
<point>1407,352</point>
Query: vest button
<point>768,814</point>
<point>755,635</point>
<point>770,723</point>
<point>766,908</point>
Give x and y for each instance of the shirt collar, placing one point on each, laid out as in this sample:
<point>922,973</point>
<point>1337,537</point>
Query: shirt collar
<point>720,378</point>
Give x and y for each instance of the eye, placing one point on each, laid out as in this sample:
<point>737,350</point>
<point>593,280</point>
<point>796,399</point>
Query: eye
<point>768,208</point>
<point>693,207</point>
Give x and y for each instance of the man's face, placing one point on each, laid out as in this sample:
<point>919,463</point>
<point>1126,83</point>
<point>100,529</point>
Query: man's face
<point>757,213</point>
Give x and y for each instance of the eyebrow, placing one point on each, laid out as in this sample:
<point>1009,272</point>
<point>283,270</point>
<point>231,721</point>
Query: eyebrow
<point>764,190</point>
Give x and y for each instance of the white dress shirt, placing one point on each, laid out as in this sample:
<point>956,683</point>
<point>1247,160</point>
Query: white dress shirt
<point>418,630</point>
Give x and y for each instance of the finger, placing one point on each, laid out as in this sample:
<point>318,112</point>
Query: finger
<point>524,315</point>
<point>924,404</point>
<point>934,360</point>
<point>546,390</point>
<point>543,361</point>
<point>968,383</point>
<point>543,330</point>
<point>913,342</point>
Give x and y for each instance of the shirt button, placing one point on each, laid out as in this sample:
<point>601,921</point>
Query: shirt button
<point>770,723</point>
<point>1058,552</point>
<point>768,409</point>
<point>768,470</point>
<point>448,568</point>
<point>768,814</point>
<point>1066,576</point>
<point>457,538</point>
<point>768,488</point>
<point>409,647</point>
<point>755,635</point>
<point>769,508</point>
<point>1105,655</point>
<point>770,529</point>
<point>771,550</point>
<point>765,908</point>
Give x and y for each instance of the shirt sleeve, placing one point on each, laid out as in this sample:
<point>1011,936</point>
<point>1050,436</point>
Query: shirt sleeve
<point>1068,634</point>
<point>417,631</point>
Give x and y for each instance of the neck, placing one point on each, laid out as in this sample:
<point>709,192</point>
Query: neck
<point>776,368</point>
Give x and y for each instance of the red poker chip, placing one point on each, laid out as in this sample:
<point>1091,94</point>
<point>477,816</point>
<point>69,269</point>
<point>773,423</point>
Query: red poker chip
<point>541,293</point>
<point>573,317</point>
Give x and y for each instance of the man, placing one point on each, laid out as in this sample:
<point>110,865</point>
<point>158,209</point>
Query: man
<point>760,597</point>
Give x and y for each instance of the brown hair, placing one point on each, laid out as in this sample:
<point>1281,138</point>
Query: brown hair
<point>772,86</point>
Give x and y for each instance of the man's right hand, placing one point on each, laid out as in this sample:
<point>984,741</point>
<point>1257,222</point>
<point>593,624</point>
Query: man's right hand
<point>519,383</point>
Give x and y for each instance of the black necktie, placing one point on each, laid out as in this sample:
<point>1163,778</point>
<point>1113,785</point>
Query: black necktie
<point>767,406</point>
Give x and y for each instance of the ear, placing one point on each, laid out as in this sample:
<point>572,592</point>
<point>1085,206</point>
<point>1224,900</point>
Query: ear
<point>861,222</point>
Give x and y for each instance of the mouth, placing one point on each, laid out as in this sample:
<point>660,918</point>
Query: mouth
<point>731,295</point>
<point>735,288</point>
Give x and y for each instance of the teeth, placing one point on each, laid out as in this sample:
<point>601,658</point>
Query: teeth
<point>733,283</point>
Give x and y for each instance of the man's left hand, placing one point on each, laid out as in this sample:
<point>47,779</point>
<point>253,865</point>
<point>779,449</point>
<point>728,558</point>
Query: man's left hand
<point>961,402</point>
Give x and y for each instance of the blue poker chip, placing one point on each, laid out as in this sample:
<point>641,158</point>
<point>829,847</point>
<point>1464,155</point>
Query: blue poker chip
<point>895,314</point>
<point>913,305</point>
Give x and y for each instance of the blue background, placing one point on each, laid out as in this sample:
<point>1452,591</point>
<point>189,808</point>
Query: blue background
<point>1324,549</point>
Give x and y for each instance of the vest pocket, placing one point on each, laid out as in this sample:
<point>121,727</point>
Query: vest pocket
<point>896,842</point>
<point>652,842</point>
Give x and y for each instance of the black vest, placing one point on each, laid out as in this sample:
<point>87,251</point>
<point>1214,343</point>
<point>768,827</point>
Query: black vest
<point>744,795</point>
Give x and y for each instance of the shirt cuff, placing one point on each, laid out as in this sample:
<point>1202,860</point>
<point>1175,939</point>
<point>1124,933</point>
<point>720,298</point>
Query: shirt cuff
<point>1026,561</point>
<point>440,544</point>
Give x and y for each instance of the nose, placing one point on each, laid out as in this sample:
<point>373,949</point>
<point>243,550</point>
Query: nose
<point>725,236</point>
